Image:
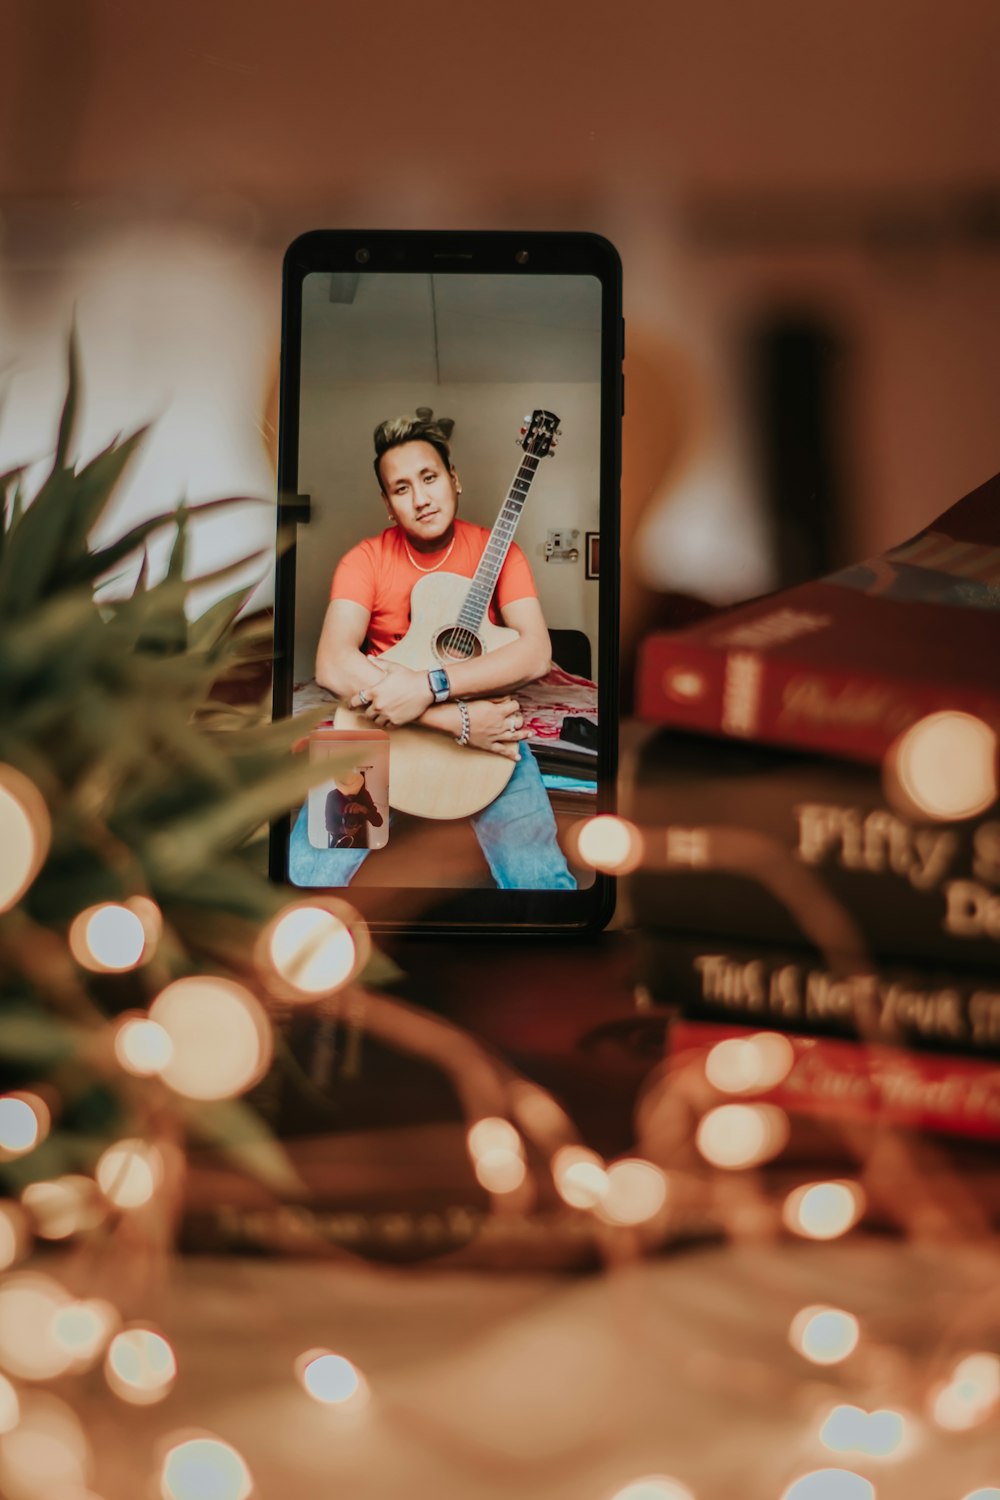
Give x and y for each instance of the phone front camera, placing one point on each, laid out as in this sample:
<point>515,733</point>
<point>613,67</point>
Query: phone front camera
<point>521,256</point>
<point>362,256</point>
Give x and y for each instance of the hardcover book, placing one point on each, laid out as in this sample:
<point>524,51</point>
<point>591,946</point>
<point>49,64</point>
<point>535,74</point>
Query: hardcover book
<point>777,989</point>
<point>779,846</point>
<point>841,1080</point>
<point>847,662</point>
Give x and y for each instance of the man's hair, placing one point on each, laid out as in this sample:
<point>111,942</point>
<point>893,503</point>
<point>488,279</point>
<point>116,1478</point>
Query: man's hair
<point>410,429</point>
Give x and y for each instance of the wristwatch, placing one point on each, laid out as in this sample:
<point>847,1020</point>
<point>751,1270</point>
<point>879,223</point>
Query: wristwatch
<point>439,684</point>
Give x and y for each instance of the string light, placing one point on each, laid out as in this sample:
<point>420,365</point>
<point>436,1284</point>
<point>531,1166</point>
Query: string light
<point>654,1487</point>
<point>47,1452</point>
<point>823,1210</point>
<point>850,1429</point>
<point>824,1335</point>
<point>580,1177</point>
<point>110,938</point>
<point>736,1136</point>
<point>29,1303</point>
<point>204,1468</point>
<point>313,948</point>
<point>142,1046</point>
<point>220,1036</point>
<point>636,1192</point>
<point>63,1206</point>
<point>945,766</point>
<point>607,843</point>
<point>129,1173</point>
<point>830,1484</point>
<point>140,1366</point>
<point>10,1406</point>
<point>25,834</point>
<point>497,1153</point>
<point>969,1395</point>
<point>744,1065</point>
<point>331,1379</point>
<point>84,1328</point>
<point>13,1234</point>
<point>25,1120</point>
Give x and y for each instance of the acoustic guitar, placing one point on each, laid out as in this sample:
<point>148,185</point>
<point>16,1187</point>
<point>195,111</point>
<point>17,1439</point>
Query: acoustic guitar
<point>429,774</point>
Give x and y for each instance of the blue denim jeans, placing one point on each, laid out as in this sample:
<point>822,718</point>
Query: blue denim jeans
<point>516,832</point>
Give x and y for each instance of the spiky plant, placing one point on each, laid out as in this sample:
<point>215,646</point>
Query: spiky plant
<point>152,788</point>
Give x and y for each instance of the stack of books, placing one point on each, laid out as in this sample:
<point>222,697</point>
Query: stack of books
<point>821,831</point>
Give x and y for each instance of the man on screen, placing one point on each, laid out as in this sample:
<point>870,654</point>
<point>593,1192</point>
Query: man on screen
<point>369,611</point>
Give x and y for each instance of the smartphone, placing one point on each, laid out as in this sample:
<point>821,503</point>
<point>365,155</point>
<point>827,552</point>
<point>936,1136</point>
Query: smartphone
<point>449,466</point>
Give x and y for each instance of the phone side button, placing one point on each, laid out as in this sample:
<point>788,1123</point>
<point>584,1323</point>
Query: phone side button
<point>623,395</point>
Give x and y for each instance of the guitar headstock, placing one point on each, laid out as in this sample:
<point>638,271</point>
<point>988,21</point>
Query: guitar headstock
<point>539,433</point>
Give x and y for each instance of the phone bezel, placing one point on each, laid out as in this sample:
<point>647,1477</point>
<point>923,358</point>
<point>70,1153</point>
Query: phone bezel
<point>557,253</point>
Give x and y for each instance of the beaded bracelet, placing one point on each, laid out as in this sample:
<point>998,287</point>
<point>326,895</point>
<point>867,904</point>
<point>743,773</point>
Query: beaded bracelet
<point>466,735</point>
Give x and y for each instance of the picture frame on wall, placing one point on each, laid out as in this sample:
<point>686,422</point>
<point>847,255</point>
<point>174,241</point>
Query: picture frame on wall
<point>592,554</point>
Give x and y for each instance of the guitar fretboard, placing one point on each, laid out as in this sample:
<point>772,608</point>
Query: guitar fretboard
<point>484,581</point>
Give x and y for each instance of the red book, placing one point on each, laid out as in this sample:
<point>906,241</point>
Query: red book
<point>847,662</point>
<point>857,1081</point>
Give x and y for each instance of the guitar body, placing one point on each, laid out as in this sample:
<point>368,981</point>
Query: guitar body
<point>429,774</point>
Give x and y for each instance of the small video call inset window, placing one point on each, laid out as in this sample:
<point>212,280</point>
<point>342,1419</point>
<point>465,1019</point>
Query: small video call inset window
<point>351,810</point>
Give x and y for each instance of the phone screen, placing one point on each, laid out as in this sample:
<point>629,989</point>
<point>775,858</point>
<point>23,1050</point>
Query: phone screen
<point>443,605</point>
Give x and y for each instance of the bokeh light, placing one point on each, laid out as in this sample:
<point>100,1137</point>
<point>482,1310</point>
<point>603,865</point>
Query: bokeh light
<point>204,1468</point>
<point>500,1170</point>
<point>142,1046</point>
<point>63,1206</point>
<point>221,1038</point>
<point>47,1452</point>
<point>654,1487</point>
<point>823,1210</point>
<point>608,843</point>
<point>989,1493</point>
<point>744,1065</point>
<point>84,1328</point>
<point>851,1429</point>
<point>824,1335</point>
<point>25,1120</point>
<point>636,1192</point>
<point>108,938</point>
<point>735,1136</point>
<point>945,766</point>
<point>14,1234</point>
<point>331,1379</point>
<point>580,1176</point>
<point>493,1134</point>
<point>29,1350</point>
<point>129,1173</point>
<point>313,948</point>
<point>140,1366</point>
<point>830,1484</point>
<point>10,1406</point>
<point>970,1394</point>
<point>25,833</point>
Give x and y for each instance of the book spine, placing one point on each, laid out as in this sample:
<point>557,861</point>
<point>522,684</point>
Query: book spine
<point>842,1080</point>
<point>787,990</point>
<point>784,848</point>
<point>745,694</point>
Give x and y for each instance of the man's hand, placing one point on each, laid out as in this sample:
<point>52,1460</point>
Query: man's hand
<point>498,725</point>
<point>399,697</point>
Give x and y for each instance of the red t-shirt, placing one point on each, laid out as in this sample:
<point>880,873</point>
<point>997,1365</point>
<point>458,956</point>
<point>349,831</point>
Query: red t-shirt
<point>379,575</point>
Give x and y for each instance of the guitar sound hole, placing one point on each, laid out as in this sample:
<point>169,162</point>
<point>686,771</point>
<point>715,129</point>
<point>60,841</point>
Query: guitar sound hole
<point>455,643</point>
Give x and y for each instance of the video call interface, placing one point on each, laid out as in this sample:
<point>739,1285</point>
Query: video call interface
<point>446,582</point>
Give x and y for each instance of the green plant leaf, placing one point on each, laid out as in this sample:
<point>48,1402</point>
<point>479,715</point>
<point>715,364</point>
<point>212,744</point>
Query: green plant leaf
<point>235,1130</point>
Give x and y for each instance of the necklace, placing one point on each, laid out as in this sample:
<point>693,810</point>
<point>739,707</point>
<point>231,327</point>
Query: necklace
<point>441,561</point>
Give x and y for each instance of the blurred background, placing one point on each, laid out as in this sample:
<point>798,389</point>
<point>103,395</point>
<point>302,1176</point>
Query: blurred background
<point>806,198</point>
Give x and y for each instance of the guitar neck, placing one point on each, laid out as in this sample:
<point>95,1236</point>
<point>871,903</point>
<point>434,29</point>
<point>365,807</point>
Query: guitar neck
<point>485,578</point>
